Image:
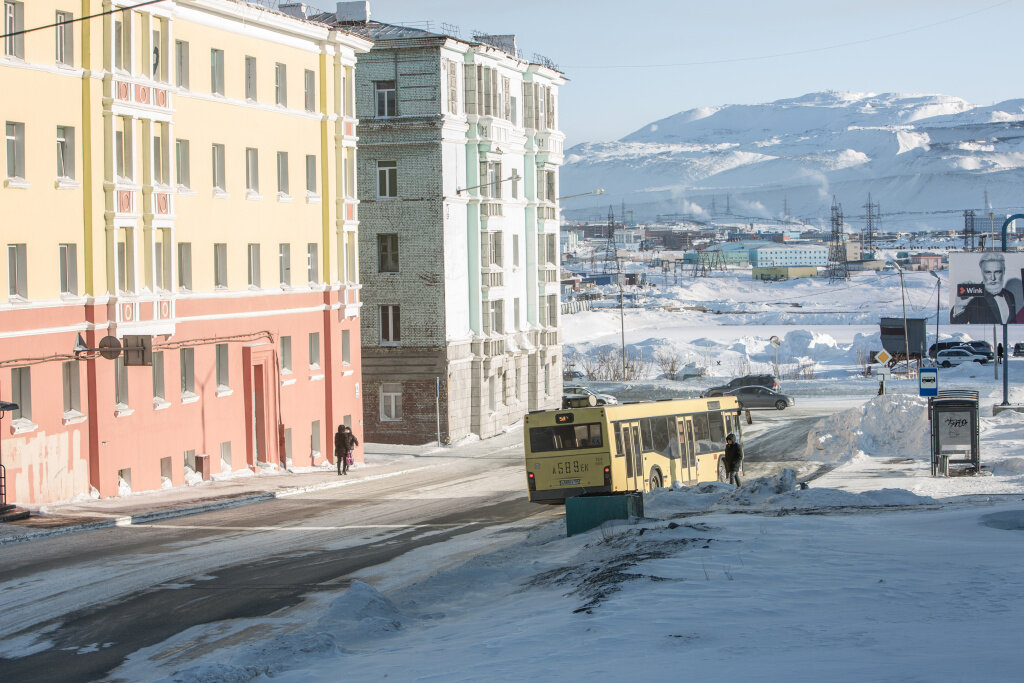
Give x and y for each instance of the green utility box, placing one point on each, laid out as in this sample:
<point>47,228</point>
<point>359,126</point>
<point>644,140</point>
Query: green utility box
<point>583,513</point>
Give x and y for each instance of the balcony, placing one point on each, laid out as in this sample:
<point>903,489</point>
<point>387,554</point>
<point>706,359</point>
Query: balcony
<point>491,208</point>
<point>547,274</point>
<point>493,347</point>
<point>547,213</point>
<point>549,338</point>
<point>493,278</point>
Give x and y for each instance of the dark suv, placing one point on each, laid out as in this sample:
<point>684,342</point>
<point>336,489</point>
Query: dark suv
<point>767,381</point>
<point>982,348</point>
<point>1018,349</point>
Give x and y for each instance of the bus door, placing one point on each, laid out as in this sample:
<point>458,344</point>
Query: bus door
<point>688,459</point>
<point>634,456</point>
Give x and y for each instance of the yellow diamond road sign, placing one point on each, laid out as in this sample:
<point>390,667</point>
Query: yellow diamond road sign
<point>883,356</point>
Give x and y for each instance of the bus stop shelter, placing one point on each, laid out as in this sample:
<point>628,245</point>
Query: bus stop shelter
<point>955,432</point>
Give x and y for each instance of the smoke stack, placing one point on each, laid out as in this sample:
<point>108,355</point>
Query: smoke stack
<point>353,12</point>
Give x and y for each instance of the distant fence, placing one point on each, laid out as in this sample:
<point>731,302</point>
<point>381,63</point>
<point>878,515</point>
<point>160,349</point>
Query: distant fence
<point>576,305</point>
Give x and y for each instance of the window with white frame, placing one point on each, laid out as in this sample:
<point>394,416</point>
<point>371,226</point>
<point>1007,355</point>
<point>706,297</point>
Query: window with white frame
<point>124,166</point>
<point>314,438</point>
<point>17,275</point>
<point>123,41</point>
<point>496,249</point>
<point>252,170</point>
<point>185,265</point>
<point>286,354</point>
<point>390,401</point>
<point>64,38</point>
<point>254,264</point>
<point>350,172</point>
<point>182,164</point>
<point>15,146</point>
<point>159,267</point>
<point>387,253</point>
<point>314,350</point>
<point>551,252</point>
<point>312,263</point>
<point>281,84</point>
<point>284,261</point>
<point>223,375</point>
<point>309,83</point>
<point>217,71</point>
<point>250,79</point>
<point>490,174</point>
<point>311,173</point>
<point>346,347</point>
<point>161,155</point>
<point>14,22</point>
<point>282,173</point>
<point>390,324</point>
<point>515,251</point>
<point>492,393</point>
<point>120,383</point>
<point>126,261</point>
<point>158,377</point>
<point>65,152</point>
<point>515,313</point>
<point>220,266</point>
<point>21,393</point>
<point>219,182</point>
<point>552,310</point>
<point>68,257</point>
<point>515,183</point>
<point>158,37</point>
<point>387,179</point>
<point>453,87</point>
<point>386,98</point>
<point>72,387</point>
<point>187,360</point>
<point>181,70</point>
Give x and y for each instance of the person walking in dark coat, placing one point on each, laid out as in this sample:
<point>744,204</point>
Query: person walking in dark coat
<point>339,449</point>
<point>349,442</point>
<point>733,459</point>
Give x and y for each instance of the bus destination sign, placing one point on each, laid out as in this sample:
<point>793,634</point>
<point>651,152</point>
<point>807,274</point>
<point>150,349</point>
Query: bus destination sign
<point>564,418</point>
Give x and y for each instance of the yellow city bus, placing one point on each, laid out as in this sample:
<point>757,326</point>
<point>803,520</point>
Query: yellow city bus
<point>629,447</point>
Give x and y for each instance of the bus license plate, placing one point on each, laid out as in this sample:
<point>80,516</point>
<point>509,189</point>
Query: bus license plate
<point>569,482</point>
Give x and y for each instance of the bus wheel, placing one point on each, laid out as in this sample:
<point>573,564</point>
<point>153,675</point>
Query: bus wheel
<point>723,476</point>
<point>655,480</point>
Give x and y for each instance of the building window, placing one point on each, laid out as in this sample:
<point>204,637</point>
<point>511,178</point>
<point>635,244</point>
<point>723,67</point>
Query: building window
<point>158,376</point>
<point>158,50</point>
<point>252,170</point>
<point>124,166</point>
<point>123,41</point>
<point>314,438</point>
<point>517,389</point>
<point>284,263</point>
<point>346,348</point>
<point>496,252</point>
<point>552,310</point>
<point>120,383</point>
<point>515,313</point>
<point>254,265</point>
<point>65,42</point>
<point>314,350</point>
<point>72,395</point>
<point>17,276</point>
<point>161,156</point>
<point>158,260</point>
<point>223,379</point>
<point>250,78</point>
<point>311,173</point>
<point>182,163</point>
<point>225,456</point>
<point>281,84</point>
<point>188,372</point>
<point>218,168</point>
<point>497,317</point>
<point>492,393</point>
<point>515,251</point>
<point>286,354</point>
<point>14,21</point>
<point>387,179</point>
<point>220,266</point>
<point>386,98</point>
<point>390,324</point>
<point>312,263</point>
<point>181,63</point>
<point>217,71</point>
<point>185,265</point>
<point>15,149</point>
<point>350,172</point>
<point>391,401</point>
<point>515,183</point>
<point>282,173</point>
<point>21,393</point>
<point>68,268</point>
<point>387,253</point>
<point>453,87</point>
<point>310,90</point>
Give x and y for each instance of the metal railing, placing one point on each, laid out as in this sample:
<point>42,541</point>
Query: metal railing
<point>3,485</point>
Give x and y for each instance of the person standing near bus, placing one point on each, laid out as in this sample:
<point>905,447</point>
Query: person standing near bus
<point>349,442</point>
<point>733,459</point>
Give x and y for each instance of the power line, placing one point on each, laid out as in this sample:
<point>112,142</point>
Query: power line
<point>794,52</point>
<point>77,19</point>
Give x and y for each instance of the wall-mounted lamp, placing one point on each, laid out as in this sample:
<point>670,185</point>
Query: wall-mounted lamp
<point>514,176</point>
<point>599,190</point>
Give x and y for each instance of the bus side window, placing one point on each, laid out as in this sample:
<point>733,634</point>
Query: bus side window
<point>618,440</point>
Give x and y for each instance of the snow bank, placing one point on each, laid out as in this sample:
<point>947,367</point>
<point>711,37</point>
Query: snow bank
<point>894,425</point>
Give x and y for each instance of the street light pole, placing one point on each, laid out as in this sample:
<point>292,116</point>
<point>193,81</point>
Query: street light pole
<point>906,337</point>
<point>938,302</point>
<point>622,317</point>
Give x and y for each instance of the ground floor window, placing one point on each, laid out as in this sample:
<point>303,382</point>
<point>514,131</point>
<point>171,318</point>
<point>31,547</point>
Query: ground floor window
<point>391,401</point>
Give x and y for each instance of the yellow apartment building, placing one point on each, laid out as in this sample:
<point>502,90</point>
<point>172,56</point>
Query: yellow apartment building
<point>182,172</point>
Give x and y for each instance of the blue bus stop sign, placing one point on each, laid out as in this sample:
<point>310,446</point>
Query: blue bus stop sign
<point>928,378</point>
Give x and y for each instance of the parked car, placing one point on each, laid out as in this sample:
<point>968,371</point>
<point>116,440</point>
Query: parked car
<point>1018,349</point>
<point>761,397</point>
<point>963,354</point>
<point>570,375</point>
<point>574,396</point>
<point>746,381</point>
<point>975,346</point>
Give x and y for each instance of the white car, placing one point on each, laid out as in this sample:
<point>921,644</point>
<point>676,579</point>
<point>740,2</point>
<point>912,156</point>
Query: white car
<point>580,392</point>
<point>951,357</point>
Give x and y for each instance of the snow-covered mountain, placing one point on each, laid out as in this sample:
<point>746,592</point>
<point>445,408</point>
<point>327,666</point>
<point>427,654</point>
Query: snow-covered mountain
<point>923,158</point>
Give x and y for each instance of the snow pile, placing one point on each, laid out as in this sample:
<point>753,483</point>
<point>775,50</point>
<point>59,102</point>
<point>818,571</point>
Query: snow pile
<point>361,609</point>
<point>894,425</point>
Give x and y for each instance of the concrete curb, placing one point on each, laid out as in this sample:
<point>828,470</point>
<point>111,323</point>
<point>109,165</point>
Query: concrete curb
<point>212,506</point>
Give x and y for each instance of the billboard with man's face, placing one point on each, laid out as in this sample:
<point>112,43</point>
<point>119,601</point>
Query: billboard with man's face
<point>986,288</point>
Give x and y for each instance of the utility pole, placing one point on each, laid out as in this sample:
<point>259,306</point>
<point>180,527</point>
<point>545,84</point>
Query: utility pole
<point>868,242</point>
<point>838,268</point>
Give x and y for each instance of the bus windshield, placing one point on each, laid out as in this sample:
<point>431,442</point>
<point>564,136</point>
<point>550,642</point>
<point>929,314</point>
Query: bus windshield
<point>565,437</point>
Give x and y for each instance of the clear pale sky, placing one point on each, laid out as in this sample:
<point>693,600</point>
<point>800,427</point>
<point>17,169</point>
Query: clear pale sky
<point>611,51</point>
